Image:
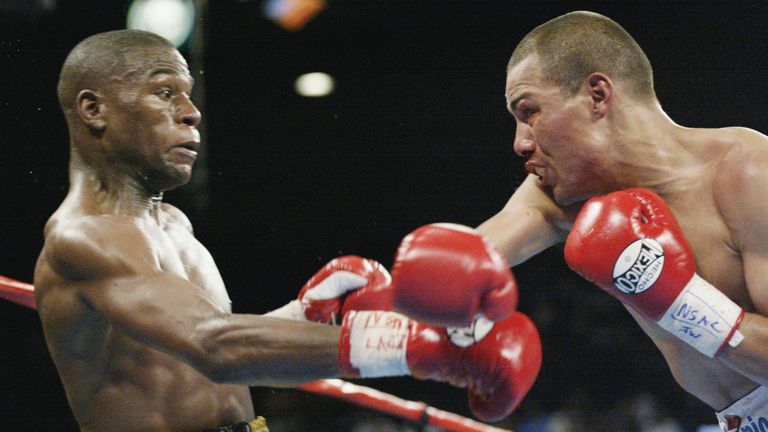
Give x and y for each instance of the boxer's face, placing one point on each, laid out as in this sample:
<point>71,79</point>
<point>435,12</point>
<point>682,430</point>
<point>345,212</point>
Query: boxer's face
<point>152,122</point>
<point>555,134</point>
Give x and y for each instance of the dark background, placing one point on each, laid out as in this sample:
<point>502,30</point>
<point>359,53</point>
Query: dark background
<point>416,132</point>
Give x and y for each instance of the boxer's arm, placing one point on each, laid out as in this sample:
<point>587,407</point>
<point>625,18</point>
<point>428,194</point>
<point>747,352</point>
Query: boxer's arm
<point>114,271</point>
<point>444,274</point>
<point>530,222</point>
<point>746,214</point>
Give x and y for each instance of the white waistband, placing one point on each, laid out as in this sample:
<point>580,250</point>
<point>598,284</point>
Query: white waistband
<point>748,414</point>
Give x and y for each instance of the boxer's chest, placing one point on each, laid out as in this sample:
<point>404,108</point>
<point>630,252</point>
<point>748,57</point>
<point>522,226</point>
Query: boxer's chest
<point>181,253</point>
<point>717,260</point>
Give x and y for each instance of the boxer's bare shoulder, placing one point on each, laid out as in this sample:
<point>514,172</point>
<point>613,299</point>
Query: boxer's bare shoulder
<point>744,163</point>
<point>739,191</point>
<point>88,239</point>
<point>172,216</point>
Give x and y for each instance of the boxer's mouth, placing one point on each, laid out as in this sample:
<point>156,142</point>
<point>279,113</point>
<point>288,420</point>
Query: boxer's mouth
<point>538,171</point>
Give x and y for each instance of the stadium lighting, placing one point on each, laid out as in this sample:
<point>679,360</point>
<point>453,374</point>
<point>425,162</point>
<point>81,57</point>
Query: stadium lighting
<point>171,19</point>
<point>315,84</point>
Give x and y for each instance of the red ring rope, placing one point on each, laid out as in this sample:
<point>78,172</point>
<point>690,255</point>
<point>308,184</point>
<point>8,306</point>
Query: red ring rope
<point>24,294</point>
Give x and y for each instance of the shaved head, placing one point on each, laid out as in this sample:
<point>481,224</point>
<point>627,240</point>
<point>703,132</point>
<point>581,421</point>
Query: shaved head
<point>99,57</point>
<point>573,46</point>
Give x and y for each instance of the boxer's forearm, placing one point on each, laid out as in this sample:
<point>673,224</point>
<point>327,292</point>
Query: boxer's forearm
<point>529,223</point>
<point>259,350</point>
<point>519,233</point>
<point>750,357</point>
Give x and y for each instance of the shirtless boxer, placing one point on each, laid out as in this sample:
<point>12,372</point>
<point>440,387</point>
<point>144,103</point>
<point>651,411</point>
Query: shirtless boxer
<point>588,123</point>
<point>135,313</point>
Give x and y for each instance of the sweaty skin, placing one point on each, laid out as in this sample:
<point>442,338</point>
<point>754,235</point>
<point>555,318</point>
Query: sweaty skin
<point>134,310</point>
<point>601,140</point>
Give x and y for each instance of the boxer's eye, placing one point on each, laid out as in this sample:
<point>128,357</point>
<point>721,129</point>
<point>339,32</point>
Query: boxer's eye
<point>164,94</point>
<point>525,111</point>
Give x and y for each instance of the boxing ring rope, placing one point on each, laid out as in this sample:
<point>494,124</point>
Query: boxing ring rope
<point>418,412</point>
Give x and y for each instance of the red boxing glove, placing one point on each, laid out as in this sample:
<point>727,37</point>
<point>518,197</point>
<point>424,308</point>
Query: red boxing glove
<point>320,299</point>
<point>445,274</point>
<point>629,244</point>
<point>498,362</point>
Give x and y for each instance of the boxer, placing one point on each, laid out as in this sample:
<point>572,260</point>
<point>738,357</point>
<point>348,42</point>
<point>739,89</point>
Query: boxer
<point>135,314</point>
<point>687,255</point>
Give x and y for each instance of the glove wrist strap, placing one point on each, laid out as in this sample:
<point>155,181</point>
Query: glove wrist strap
<point>374,344</point>
<point>704,318</point>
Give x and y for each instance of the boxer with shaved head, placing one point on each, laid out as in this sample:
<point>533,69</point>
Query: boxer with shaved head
<point>670,220</point>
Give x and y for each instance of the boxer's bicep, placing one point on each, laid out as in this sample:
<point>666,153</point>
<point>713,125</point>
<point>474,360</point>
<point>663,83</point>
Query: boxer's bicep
<point>161,309</point>
<point>753,246</point>
<point>756,273</point>
<point>740,196</point>
<point>750,357</point>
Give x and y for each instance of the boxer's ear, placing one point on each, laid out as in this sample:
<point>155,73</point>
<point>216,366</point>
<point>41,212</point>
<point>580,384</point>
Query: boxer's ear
<point>90,109</point>
<point>600,89</point>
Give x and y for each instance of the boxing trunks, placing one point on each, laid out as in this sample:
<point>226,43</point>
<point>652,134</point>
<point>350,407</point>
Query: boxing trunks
<point>748,414</point>
<point>259,424</point>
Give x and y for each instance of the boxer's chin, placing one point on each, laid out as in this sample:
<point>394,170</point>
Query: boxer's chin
<point>564,197</point>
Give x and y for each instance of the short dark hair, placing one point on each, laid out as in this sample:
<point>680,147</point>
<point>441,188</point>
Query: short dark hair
<point>97,57</point>
<point>571,47</point>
